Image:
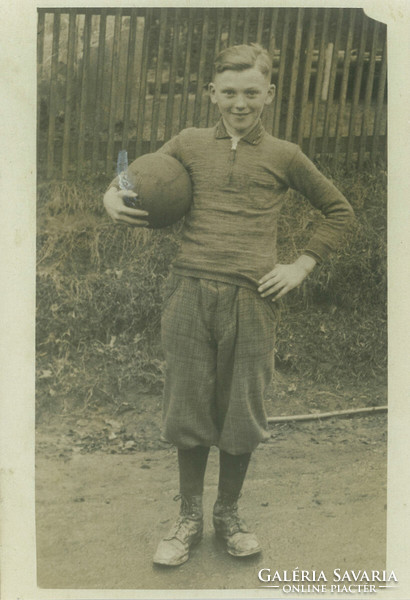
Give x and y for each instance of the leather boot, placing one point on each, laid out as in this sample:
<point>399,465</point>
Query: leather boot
<point>173,549</point>
<point>232,529</point>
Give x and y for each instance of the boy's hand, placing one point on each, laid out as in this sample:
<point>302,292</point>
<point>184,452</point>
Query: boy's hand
<point>119,213</point>
<point>284,278</point>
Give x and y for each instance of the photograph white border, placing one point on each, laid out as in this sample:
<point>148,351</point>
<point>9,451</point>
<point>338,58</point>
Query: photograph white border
<point>18,25</point>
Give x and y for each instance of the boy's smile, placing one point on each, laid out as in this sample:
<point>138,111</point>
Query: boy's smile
<point>241,96</point>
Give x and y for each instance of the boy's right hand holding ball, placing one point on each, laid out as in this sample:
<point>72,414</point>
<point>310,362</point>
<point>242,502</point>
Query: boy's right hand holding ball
<point>119,212</point>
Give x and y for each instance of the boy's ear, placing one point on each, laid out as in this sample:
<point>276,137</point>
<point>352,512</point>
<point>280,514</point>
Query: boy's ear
<point>271,93</point>
<point>211,90</point>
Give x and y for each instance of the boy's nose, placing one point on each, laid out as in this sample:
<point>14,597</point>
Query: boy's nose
<point>240,102</point>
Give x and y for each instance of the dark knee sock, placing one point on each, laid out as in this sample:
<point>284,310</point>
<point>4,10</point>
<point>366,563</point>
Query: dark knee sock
<point>192,465</point>
<point>232,471</point>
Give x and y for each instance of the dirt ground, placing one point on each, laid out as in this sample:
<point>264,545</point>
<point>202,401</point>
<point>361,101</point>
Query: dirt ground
<point>315,495</point>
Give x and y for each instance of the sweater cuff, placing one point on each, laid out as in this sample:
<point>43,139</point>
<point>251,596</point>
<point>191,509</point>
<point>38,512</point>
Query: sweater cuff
<point>314,255</point>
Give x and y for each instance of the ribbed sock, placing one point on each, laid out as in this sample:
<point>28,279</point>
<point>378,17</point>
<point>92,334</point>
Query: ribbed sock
<point>232,472</point>
<point>192,465</point>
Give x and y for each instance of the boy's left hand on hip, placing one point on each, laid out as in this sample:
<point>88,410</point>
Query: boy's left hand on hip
<point>284,278</point>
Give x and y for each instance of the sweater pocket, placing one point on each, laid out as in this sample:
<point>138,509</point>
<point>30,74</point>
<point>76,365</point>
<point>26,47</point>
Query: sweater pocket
<point>265,193</point>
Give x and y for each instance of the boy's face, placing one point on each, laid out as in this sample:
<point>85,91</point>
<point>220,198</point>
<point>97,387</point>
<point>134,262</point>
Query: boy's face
<point>241,96</point>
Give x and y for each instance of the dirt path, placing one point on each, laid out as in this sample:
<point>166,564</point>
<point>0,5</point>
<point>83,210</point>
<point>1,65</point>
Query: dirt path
<point>315,495</point>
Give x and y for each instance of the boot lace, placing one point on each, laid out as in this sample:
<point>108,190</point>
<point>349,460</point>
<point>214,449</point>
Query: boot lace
<point>188,521</point>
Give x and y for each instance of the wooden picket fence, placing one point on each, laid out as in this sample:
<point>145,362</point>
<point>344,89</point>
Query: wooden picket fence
<point>131,78</point>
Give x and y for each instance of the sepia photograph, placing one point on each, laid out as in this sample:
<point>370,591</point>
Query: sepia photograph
<point>210,315</point>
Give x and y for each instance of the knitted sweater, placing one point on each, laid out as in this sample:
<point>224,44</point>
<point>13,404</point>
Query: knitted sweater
<point>230,231</point>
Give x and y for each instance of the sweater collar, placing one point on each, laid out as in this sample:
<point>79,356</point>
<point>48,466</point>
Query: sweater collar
<point>253,137</point>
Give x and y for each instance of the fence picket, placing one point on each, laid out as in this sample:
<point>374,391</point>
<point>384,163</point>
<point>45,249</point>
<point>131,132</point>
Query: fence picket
<point>272,29</point>
<point>169,116</point>
<point>40,55</point>
<point>379,102</point>
<point>84,78</point>
<point>332,80</point>
<point>143,84</point>
<point>368,95</point>
<point>187,72</point>
<point>201,69</point>
<point>232,26</point>
<point>307,73</point>
<point>294,75</point>
<point>68,94</point>
<point>99,86</point>
<point>343,86</point>
<point>246,24</point>
<point>269,111</point>
<point>138,66</point>
<point>114,70</point>
<point>52,96</point>
<point>281,74</point>
<point>40,44</point>
<point>156,101</point>
<point>259,29</point>
<point>132,34</point>
<point>356,90</point>
<point>212,108</point>
<point>318,85</point>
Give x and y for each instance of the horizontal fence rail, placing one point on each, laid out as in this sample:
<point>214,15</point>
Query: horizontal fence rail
<point>132,78</point>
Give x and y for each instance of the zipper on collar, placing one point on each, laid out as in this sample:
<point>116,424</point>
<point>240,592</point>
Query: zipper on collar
<point>232,157</point>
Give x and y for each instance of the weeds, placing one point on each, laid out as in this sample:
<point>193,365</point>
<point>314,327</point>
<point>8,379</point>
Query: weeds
<point>99,296</point>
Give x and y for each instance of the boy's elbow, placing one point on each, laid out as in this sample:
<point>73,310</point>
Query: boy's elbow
<point>345,210</point>
<point>350,214</point>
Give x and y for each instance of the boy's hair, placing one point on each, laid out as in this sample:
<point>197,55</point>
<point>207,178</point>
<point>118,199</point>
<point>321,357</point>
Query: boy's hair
<point>241,57</point>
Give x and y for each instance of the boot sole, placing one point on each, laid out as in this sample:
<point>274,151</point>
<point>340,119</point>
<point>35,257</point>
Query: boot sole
<point>220,537</point>
<point>241,555</point>
<point>182,560</point>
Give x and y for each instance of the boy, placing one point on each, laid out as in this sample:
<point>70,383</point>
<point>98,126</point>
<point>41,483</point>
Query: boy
<point>220,313</point>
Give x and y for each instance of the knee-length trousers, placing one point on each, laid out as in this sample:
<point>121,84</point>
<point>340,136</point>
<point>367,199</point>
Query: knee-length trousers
<point>219,341</point>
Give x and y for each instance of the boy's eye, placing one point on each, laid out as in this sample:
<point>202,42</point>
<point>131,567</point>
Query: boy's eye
<point>252,93</point>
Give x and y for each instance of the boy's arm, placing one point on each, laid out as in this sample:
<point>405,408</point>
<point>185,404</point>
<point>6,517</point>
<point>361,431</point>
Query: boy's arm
<point>323,195</point>
<point>305,178</point>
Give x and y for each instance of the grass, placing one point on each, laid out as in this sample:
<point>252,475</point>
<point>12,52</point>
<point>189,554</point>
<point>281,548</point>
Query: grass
<point>99,296</point>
